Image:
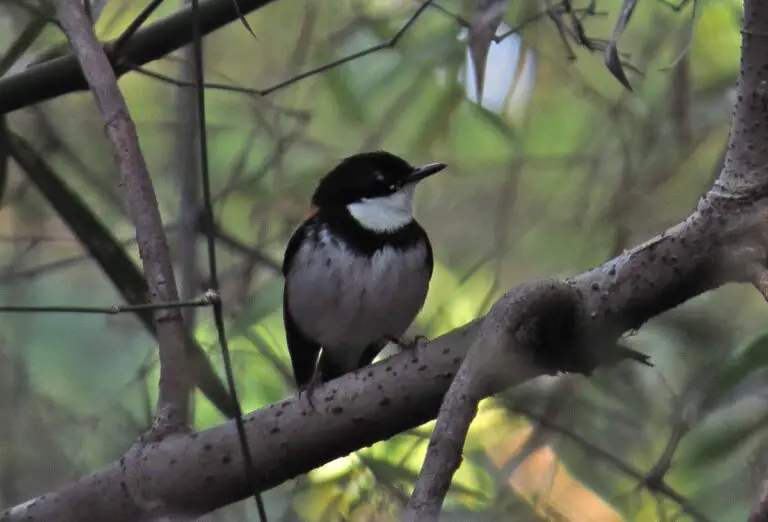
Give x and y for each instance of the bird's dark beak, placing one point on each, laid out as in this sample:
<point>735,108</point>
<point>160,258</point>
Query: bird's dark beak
<point>419,173</point>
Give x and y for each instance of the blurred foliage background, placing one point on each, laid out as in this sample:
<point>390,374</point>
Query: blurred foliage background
<point>554,169</point>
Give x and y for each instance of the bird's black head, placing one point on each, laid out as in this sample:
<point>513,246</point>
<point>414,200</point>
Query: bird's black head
<point>366,176</point>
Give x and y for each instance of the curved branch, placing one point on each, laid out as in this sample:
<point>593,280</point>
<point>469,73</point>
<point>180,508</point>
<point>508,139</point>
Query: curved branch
<point>62,75</point>
<point>730,220</point>
<point>198,473</point>
<point>133,50</point>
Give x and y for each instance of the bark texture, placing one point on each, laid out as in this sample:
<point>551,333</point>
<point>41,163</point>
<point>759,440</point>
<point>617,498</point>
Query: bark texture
<point>723,240</point>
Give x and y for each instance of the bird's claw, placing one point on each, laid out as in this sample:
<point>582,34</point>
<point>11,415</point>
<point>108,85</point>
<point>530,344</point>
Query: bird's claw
<point>416,343</point>
<point>309,388</point>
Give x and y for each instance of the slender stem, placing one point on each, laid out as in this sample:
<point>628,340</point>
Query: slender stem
<point>173,400</point>
<point>218,312</point>
<point>207,300</point>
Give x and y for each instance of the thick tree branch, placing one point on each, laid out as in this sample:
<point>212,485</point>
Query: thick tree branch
<point>173,402</point>
<point>447,441</point>
<point>730,219</point>
<point>745,174</point>
<point>537,328</point>
<point>63,75</point>
<point>198,473</point>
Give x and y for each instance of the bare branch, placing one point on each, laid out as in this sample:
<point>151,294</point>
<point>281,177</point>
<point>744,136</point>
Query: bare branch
<point>188,178</point>
<point>456,413</point>
<point>123,39</point>
<point>537,328</point>
<point>63,75</point>
<point>207,300</point>
<point>526,325</point>
<point>743,182</point>
<point>153,42</point>
<point>404,391</point>
<point>218,311</point>
<point>760,510</point>
<point>173,399</point>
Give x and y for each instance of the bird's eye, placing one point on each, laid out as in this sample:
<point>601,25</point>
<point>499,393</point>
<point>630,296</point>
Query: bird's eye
<point>379,175</point>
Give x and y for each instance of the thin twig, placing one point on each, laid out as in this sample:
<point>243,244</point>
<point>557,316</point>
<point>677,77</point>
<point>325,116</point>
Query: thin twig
<point>186,83</point>
<point>150,44</point>
<point>301,115</point>
<point>21,44</point>
<point>173,397</point>
<point>616,462</point>
<point>218,312</point>
<point>654,479</point>
<point>450,14</point>
<point>350,57</point>
<point>188,178</point>
<point>134,26</point>
<point>206,300</point>
<point>253,254</point>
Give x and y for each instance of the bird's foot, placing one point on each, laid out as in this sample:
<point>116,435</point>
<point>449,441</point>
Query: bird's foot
<point>416,343</point>
<point>309,388</point>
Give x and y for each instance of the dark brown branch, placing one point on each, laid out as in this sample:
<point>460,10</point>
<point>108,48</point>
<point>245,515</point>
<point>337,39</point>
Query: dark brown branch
<point>745,174</point>
<point>447,441</point>
<point>63,75</point>
<point>36,84</point>
<point>730,219</point>
<point>207,300</point>
<point>173,401</point>
<point>192,474</point>
<point>199,473</point>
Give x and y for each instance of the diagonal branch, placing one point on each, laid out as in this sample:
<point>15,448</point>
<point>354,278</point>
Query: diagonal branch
<point>134,49</point>
<point>196,474</point>
<point>563,337</point>
<point>62,75</point>
<point>570,325</point>
<point>110,255</point>
<point>173,401</point>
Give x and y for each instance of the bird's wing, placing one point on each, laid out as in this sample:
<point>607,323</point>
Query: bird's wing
<point>430,260</point>
<point>293,246</point>
<point>303,351</point>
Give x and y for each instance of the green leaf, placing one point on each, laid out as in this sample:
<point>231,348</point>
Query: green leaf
<point>612,59</point>
<point>743,364</point>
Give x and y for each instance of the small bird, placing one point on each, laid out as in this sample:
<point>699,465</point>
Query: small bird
<point>357,270</point>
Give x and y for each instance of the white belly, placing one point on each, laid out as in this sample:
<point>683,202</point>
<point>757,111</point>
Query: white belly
<point>345,303</point>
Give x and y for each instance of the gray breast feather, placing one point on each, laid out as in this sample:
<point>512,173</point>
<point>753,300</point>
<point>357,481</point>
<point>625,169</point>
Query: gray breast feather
<point>346,302</point>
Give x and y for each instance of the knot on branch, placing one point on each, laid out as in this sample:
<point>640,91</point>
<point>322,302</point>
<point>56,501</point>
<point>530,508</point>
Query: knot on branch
<point>548,322</point>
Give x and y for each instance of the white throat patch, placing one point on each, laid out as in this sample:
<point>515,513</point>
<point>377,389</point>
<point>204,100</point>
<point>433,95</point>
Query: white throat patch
<point>387,213</point>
